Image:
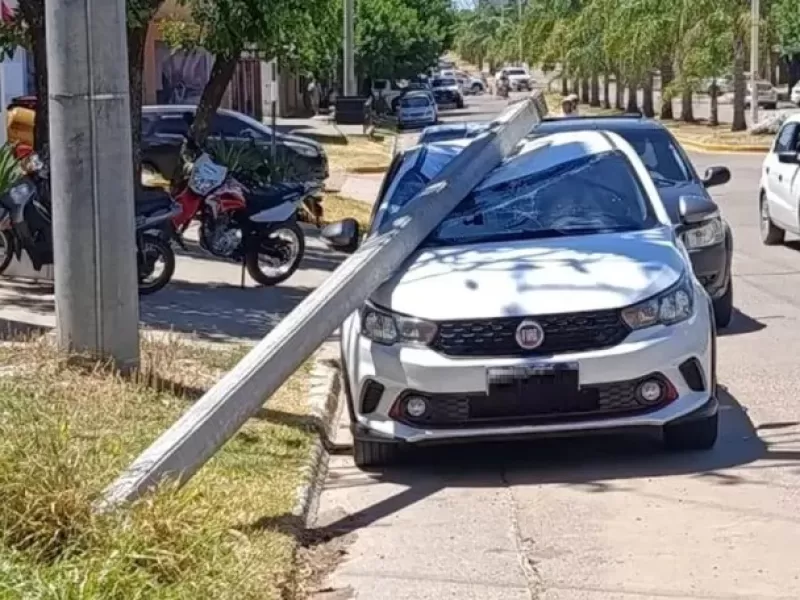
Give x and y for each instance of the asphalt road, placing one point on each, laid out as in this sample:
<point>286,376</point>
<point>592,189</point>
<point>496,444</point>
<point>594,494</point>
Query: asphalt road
<point>602,519</point>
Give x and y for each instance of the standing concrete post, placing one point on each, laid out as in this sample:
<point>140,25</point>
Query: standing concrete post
<point>348,53</point>
<point>97,302</point>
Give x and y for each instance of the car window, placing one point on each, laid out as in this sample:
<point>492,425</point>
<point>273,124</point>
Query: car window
<point>659,154</point>
<point>227,126</point>
<point>591,194</point>
<point>415,102</point>
<point>149,123</point>
<point>172,124</point>
<point>786,140</point>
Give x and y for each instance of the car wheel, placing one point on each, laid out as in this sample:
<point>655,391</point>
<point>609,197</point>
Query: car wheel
<point>771,106</point>
<point>771,234</point>
<point>692,435</point>
<point>368,454</point>
<point>459,104</point>
<point>477,88</point>
<point>723,308</point>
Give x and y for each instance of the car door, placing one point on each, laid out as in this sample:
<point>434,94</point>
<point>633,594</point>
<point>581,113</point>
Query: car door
<point>780,179</point>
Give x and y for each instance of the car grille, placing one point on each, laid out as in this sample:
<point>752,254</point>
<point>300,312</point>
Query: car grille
<point>569,332</point>
<point>605,400</point>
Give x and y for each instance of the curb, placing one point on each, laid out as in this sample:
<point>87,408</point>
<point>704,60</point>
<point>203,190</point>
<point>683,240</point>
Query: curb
<point>367,170</point>
<point>323,398</point>
<point>725,148</point>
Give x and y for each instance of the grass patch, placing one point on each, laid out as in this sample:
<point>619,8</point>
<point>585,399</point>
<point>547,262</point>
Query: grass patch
<point>66,431</point>
<point>699,131</point>
<point>359,152</point>
<point>340,207</point>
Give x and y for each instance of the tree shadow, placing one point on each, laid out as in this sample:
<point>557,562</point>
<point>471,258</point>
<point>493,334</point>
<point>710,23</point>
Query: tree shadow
<point>594,464</point>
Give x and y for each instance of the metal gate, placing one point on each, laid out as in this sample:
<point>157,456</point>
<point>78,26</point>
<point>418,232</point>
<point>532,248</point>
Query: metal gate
<point>245,89</point>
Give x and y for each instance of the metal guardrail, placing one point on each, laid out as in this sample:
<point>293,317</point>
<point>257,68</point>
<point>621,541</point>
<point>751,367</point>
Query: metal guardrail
<point>197,435</point>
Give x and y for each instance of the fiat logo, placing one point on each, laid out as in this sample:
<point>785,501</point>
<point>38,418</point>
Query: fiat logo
<point>530,335</point>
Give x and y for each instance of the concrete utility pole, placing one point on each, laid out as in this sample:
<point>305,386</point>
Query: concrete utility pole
<point>97,301</point>
<point>519,11</point>
<point>755,17</point>
<point>348,55</point>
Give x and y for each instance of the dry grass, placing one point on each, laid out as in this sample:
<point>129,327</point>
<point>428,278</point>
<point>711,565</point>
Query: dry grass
<point>700,131</point>
<point>339,207</point>
<point>359,152</point>
<point>66,431</point>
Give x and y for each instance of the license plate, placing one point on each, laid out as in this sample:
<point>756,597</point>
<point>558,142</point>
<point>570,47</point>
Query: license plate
<point>528,380</point>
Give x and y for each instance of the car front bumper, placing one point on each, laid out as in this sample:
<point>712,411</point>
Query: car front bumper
<point>400,370</point>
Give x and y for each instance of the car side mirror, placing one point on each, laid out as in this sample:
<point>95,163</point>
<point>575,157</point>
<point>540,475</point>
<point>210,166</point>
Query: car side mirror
<point>696,209</point>
<point>343,235</point>
<point>716,176</point>
<point>789,158</point>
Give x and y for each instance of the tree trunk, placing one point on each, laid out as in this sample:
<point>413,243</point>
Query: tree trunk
<point>713,114</point>
<point>136,45</point>
<point>33,13</point>
<point>793,68</point>
<point>633,100</point>
<point>221,75</point>
<point>576,86</point>
<point>619,88</point>
<point>606,92</point>
<point>687,110</point>
<point>647,97</point>
<point>739,123</point>
<point>564,84</point>
<point>594,90</point>
<point>585,90</point>
<point>667,76</point>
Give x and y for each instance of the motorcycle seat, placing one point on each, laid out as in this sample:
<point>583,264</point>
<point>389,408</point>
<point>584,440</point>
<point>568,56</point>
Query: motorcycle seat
<point>273,195</point>
<point>151,199</point>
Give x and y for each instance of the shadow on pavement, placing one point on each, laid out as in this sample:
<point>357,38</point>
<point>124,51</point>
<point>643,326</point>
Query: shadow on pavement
<point>594,464</point>
<point>741,323</point>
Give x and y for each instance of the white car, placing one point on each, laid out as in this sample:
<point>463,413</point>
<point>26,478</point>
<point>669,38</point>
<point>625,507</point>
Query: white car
<point>794,96</point>
<point>557,299</point>
<point>417,110</point>
<point>779,197</point>
<point>518,78</point>
<point>766,93</point>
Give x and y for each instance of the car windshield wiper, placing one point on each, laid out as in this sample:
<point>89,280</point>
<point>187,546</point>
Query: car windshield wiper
<point>508,236</point>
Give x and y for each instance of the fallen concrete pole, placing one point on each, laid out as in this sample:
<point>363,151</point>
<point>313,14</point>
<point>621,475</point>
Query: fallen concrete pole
<point>221,412</point>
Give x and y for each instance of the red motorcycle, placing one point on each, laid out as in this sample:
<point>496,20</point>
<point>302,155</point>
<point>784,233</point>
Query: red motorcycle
<point>254,227</point>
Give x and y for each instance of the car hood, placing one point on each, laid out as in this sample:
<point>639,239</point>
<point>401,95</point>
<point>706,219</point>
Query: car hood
<point>671,195</point>
<point>528,278</point>
<point>300,141</point>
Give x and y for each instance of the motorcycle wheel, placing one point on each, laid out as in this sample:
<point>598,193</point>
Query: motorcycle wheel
<point>286,245</point>
<point>152,250</point>
<point>6,250</point>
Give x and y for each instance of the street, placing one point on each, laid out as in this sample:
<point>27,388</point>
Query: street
<point>601,519</point>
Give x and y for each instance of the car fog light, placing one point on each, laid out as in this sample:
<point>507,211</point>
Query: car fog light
<point>416,406</point>
<point>650,391</point>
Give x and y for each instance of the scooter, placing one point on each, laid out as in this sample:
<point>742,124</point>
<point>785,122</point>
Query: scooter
<point>26,225</point>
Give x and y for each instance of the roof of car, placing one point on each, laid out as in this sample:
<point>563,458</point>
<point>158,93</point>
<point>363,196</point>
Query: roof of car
<point>611,122</point>
<point>793,118</point>
<point>182,108</point>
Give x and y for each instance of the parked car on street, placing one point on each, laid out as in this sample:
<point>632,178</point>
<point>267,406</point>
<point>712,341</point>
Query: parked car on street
<point>417,109</point>
<point>518,78</point>
<point>447,92</point>
<point>165,126</point>
<point>710,243</point>
<point>577,308</point>
<point>766,94</point>
<point>779,193</point>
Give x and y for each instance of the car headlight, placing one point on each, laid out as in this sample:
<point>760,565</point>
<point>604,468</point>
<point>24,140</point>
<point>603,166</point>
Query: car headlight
<point>21,192</point>
<point>667,308</point>
<point>709,233</point>
<point>387,328</point>
<point>303,150</point>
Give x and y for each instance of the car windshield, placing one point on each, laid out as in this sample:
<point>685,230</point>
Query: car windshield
<point>415,102</point>
<point>444,82</point>
<point>515,72</point>
<point>592,194</point>
<point>659,154</point>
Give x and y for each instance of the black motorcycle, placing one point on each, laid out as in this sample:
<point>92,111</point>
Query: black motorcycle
<point>26,225</point>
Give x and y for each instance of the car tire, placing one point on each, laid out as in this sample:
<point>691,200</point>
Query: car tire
<point>700,434</point>
<point>771,234</point>
<point>368,454</point>
<point>459,103</point>
<point>476,88</point>
<point>723,308</point>
<point>770,106</point>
